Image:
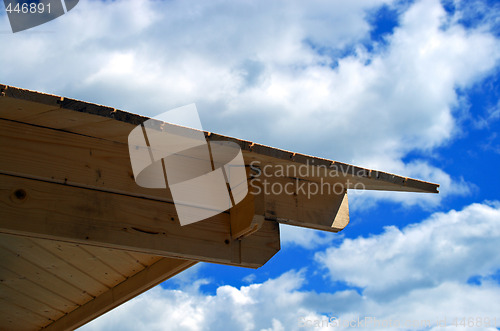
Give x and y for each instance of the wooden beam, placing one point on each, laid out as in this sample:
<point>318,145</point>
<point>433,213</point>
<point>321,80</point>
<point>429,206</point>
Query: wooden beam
<point>52,154</point>
<point>303,203</point>
<point>72,159</point>
<point>133,286</point>
<point>84,118</point>
<point>68,158</point>
<point>333,215</point>
<point>18,103</point>
<point>248,215</point>
<point>40,209</point>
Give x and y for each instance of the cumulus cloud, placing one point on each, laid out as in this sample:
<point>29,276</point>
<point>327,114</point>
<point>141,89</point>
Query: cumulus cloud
<point>416,275</point>
<point>306,238</point>
<point>453,246</point>
<point>229,309</point>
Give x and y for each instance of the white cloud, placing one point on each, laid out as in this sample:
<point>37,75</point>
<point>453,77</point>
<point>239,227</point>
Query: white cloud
<point>492,115</point>
<point>412,274</point>
<point>230,308</point>
<point>451,246</point>
<point>306,238</point>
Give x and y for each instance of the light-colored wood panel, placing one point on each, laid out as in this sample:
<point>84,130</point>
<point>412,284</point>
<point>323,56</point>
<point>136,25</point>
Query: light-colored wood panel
<point>83,261</point>
<point>126,121</point>
<point>9,321</point>
<point>27,287</point>
<point>303,203</point>
<point>263,237</point>
<point>17,110</point>
<point>247,216</point>
<point>144,259</point>
<point>17,104</point>
<point>40,257</point>
<point>22,263</point>
<point>142,281</point>
<point>68,158</point>
<point>62,119</point>
<point>83,161</point>
<point>108,129</point>
<point>19,313</point>
<point>120,261</point>
<point>83,216</point>
<point>29,302</point>
<point>317,170</point>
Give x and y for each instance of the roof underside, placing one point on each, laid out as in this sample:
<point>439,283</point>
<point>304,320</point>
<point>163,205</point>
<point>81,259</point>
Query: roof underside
<point>43,280</point>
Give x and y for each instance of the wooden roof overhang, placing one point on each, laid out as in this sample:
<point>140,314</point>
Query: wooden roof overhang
<point>79,237</point>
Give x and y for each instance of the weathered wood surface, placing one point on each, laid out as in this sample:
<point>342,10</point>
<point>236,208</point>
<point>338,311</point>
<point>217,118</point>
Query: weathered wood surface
<point>61,212</point>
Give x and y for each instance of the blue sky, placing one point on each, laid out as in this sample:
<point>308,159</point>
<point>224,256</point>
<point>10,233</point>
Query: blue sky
<point>409,87</point>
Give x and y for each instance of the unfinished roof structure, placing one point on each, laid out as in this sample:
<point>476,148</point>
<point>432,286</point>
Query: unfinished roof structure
<point>79,237</point>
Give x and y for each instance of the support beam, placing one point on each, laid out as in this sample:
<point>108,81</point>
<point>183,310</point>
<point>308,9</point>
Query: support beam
<point>56,156</point>
<point>248,216</point>
<point>333,215</point>
<point>304,203</point>
<point>40,209</point>
<point>61,157</point>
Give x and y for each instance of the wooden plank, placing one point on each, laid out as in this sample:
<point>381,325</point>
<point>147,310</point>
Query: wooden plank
<point>13,318</point>
<point>303,203</point>
<point>249,250</point>
<point>29,317</point>
<point>84,216</point>
<point>102,111</point>
<point>144,259</point>
<point>248,216</point>
<point>68,158</point>
<point>11,92</point>
<point>49,278</point>
<point>120,261</point>
<point>108,129</point>
<point>18,110</point>
<point>10,322</point>
<point>318,169</point>
<point>261,152</point>
<point>17,104</point>
<point>77,283</point>
<point>62,119</point>
<point>82,260</point>
<point>29,288</point>
<point>77,160</point>
<point>332,219</point>
<point>137,284</point>
<point>31,303</point>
